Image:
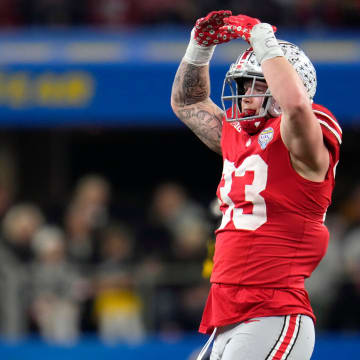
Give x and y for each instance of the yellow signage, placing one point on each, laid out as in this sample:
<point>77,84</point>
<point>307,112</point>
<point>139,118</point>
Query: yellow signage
<point>55,90</point>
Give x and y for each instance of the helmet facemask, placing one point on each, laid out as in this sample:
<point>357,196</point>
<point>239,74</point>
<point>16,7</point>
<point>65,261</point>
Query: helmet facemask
<point>247,68</point>
<point>233,94</point>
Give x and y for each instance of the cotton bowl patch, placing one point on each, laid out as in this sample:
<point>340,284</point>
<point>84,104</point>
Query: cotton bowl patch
<point>265,137</point>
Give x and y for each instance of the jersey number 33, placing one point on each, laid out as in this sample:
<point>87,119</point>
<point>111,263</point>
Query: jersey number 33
<point>257,216</point>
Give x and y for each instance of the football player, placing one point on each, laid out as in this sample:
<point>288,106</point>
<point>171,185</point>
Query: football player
<point>280,152</point>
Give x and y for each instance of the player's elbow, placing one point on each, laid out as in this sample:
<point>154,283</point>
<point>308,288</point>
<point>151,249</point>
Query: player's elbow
<point>176,100</point>
<point>297,105</point>
<point>173,103</point>
<point>176,107</point>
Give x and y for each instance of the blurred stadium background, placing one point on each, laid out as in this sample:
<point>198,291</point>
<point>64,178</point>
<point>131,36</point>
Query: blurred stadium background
<point>106,200</point>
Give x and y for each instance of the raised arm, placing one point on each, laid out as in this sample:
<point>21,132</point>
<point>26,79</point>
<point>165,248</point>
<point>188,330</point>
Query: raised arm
<point>300,129</point>
<point>190,96</point>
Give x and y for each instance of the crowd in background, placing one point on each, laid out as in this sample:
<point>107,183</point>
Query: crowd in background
<point>93,272</point>
<point>115,13</point>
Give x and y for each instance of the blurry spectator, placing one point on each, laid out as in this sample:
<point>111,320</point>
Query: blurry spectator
<point>190,241</point>
<point>193,299</point>
<point>117,247</point>
<point>18,228</point>
<point>87,213</point>
<point>118,307</point>
<point>56,290</point>
<point>180,245</point>
<point>327,276</point>
<point>173,218</point>
<point>182,280</point>
<point>81,243</point>
<point>351,209</point>
<point>175,209</point>
<point>92,195</point>
<point>345,311</point>
<point>185,220</point>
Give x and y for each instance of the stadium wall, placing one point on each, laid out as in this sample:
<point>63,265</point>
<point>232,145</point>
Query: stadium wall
<point>86,77</point>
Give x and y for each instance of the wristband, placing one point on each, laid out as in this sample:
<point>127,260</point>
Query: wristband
<point>196,54</point>
<point>264,42</point>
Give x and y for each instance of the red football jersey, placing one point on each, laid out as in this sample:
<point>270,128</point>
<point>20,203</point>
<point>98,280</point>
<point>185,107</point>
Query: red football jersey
<point>272,235</point>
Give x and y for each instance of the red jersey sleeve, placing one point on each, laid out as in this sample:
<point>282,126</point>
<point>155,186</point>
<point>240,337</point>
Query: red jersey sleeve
<point>331,130</point>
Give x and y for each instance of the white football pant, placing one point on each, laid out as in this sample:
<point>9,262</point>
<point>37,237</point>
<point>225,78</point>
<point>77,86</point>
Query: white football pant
<point>290,337</point>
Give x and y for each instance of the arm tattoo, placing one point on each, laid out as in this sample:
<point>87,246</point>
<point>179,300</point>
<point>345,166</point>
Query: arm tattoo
<point>206,126</point>
<point>191,84</point>
<point>191,103</point>
<point>195,85</point>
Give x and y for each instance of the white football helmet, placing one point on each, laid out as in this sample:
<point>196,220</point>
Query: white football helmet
<point>246,67</point>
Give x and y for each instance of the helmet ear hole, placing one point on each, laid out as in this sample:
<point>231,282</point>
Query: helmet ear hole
<point>274,109</point>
